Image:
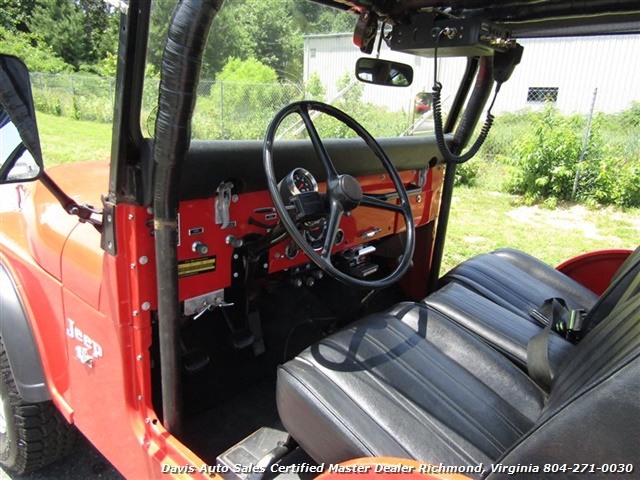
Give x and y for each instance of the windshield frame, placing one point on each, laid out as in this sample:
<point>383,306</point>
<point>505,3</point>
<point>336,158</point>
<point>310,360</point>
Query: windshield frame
<point>127,136</point>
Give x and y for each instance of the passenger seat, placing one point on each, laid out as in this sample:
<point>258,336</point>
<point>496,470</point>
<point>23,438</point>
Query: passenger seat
<point>521,283</point>
<point>409,383</point>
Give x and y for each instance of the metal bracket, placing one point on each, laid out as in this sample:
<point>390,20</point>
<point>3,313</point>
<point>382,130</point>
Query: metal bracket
<point>108,238</point>
<point>199,305</point>
<point>422,177</point>
<point>223,202</point>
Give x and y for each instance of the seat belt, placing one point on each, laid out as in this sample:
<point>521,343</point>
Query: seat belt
<point>538,365</point>
<point>568,323</point>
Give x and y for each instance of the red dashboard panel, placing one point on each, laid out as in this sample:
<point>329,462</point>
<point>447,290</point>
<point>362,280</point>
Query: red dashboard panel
<point>205,250</point>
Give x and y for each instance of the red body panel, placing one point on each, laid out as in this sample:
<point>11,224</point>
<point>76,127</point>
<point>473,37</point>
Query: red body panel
<point>595,270</point>
<point>82,298</point>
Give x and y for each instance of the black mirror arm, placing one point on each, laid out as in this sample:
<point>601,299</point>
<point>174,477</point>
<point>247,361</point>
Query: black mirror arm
<point>85,213</point>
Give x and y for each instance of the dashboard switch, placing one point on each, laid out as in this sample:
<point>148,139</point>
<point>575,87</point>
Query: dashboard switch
<point>371,233</point>
<point>200,248</point>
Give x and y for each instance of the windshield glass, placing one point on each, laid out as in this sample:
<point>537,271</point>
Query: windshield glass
<point>262,55</point>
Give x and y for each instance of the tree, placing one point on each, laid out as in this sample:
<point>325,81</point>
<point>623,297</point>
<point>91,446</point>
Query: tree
<point>14,14</point>
<point>260,29</point>
<point>269,31</point>
<point>247,71</point>
<point>161,13</point>
<point>37,59</point>
<point>314,90</point>
<point>319,19</point>
<point>81,32</point>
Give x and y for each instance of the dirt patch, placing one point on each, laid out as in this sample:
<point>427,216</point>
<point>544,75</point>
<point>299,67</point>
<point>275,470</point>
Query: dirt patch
<point>474,239</point>
<point>576,217</point>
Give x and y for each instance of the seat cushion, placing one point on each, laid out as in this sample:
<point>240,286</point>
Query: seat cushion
<point>406,383</point>
<point>519,282</point>
<point>504,330</point>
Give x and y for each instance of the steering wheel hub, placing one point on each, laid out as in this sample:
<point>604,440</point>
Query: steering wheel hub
<point>347,191</point>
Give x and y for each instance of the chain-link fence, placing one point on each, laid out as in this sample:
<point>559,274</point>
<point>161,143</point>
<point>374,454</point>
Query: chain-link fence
<point>76,96</point>
<point>229,110</point>
<point>224,109</point>
<point>562,143</point>
<point>619,129</point>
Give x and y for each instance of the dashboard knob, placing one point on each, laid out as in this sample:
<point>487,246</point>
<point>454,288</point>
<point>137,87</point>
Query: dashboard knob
<point>200,248</point>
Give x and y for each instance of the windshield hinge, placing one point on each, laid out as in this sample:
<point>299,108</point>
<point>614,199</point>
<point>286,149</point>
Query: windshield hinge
<point>108,240</point>
<point>86,214</point>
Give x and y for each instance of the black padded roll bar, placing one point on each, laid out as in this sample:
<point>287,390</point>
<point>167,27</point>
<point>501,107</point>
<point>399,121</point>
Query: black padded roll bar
<point>180,73</point>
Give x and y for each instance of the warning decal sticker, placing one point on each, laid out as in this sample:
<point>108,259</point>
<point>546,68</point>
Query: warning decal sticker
<point>195,266</point>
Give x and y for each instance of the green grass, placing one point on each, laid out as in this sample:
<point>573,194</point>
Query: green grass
<point>66,140</point>
<point>482,220</point>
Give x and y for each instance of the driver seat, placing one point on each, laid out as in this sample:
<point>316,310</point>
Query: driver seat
<point>411,383</point>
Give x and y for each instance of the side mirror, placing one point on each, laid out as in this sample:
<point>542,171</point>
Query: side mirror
<point>20,153</point>
<point>384,72</point>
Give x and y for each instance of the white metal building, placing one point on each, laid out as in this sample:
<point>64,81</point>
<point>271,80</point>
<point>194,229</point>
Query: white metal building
<point>551,69</point>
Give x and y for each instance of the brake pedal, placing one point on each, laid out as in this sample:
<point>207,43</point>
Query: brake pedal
<point>241,339</point>
<point>195,360</point>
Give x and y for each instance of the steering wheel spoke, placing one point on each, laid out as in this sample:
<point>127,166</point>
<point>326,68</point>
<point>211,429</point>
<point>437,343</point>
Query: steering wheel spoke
<point>335,215</point>
<point>374,202</point>
<point>317,142</point>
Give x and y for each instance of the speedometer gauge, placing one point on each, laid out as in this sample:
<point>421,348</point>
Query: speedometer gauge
<point>303,181</point>
<point>296,182</point>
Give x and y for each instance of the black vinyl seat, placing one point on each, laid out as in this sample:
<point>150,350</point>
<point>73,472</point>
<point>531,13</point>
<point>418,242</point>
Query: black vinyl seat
<point>395,379</point>
<point>521,283</point>
<point>411,383</point>
<point>492,296</point>
<point>504,330</point>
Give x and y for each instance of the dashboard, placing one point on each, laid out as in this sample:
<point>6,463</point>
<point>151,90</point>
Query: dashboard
<point>227,234</point>
<point>217,237</point>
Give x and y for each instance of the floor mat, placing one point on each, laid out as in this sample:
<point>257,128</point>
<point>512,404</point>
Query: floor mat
<point>211,432</point>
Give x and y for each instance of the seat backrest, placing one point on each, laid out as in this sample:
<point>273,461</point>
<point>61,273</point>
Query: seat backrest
<point>620,282</point>
<point>592,416</point>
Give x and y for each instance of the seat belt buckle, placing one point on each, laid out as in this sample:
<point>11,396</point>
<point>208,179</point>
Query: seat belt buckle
<point>576,322</point>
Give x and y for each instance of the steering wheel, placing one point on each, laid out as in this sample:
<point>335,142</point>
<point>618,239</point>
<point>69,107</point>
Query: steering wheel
<point>343,194</point>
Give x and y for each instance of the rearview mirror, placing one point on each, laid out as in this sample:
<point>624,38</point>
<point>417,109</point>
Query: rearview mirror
<point>20,153</point>
<point>384,72</point>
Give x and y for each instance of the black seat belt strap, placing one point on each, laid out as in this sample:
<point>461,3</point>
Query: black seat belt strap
<point>554,312</point>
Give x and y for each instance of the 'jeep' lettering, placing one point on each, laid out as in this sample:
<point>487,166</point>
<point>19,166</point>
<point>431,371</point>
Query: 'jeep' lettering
<point>93,347</point>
